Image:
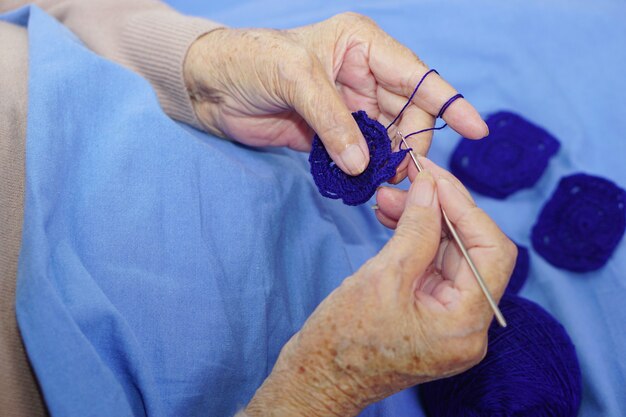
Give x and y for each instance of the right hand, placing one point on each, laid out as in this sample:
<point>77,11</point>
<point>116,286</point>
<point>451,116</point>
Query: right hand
<point>411,314</point>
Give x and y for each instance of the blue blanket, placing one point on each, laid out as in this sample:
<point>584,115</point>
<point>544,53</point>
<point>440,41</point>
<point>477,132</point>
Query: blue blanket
<point>162,269</point>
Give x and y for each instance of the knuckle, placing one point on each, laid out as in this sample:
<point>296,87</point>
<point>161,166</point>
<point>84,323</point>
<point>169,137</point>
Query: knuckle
<point>297,69</point>
<point>415,223</point>
<point>332,134</point>
<point>510,248</point>
<point>408,231</point>
<point>471,218</point>
<point>354,18</point>
<point>409,82</point>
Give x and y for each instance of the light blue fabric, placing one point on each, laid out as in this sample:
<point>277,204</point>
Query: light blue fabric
<point>162,269</point>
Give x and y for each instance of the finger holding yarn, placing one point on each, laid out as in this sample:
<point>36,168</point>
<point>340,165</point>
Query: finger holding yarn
<point>530,370</point>
<point>511,158</point>
<point>520,272</point>
<point>580,226</point>
<point>332,182</point>
<point>355,190</point>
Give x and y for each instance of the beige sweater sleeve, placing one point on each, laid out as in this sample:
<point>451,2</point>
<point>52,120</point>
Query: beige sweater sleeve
<point>145,36</point>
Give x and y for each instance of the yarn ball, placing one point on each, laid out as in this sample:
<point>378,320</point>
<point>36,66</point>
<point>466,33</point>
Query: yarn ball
<point>580,226</point>
<point>530,370</point>
<point>520,272</point>
<point>332,182</point>
<point>512,157</point>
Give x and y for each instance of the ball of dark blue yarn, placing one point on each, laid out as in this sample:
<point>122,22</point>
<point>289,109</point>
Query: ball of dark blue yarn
<point>580,226</point>
<point>531,370</point>
<point>512,157</point>
<point>520,272</point>
<point>332,182</point>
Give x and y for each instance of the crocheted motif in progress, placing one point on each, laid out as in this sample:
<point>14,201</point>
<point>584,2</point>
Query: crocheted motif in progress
<point>332,182</point>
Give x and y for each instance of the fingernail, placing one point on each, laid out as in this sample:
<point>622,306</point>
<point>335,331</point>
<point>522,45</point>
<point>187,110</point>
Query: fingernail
<point>353,159</point>
<point>422,190</point>
<point>486,129</point>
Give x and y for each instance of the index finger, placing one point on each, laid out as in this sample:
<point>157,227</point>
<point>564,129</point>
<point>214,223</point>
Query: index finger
<point>398,69</point>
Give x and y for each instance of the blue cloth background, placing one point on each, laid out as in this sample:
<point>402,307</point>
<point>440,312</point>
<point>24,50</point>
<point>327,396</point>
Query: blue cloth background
<point>162,269</point>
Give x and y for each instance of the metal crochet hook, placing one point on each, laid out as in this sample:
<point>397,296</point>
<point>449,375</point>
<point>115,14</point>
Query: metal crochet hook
<point>459,242</point>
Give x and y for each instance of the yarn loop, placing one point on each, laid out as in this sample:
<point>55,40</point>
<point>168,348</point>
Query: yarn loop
<point>332,182</point>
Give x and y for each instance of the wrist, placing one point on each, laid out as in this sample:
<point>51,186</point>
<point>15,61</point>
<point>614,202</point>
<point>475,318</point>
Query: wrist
<point>203,65</point>
<point>296,388</point>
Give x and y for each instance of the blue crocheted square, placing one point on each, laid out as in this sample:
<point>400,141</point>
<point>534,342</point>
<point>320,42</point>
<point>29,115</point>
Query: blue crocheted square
<point>582,223</point>
<point>512,157</point>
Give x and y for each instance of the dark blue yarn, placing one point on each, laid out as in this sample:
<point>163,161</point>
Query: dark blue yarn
<point>531,370</point>
<point>520,273</point>
<point>440,114</point>
<point>410,100</point>
<point>512,157</point>
<point>442,110</point>
<point>582,223</point>
<point>332,182</point>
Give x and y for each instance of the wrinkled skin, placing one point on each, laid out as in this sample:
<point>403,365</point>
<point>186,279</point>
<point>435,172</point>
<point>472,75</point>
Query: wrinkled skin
<point>268,87</point>
<point>413,312</point>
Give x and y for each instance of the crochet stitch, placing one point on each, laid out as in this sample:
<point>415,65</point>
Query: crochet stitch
<point>332,182</point>
<point>582,223</point>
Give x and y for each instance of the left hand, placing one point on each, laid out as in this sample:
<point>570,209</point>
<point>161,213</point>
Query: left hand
<point>275,87</point>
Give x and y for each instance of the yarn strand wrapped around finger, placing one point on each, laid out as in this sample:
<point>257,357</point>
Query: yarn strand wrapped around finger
<point>333,183</point>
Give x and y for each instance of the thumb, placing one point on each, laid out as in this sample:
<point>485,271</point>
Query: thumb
<point>318,102</point>
<point>416,239</point>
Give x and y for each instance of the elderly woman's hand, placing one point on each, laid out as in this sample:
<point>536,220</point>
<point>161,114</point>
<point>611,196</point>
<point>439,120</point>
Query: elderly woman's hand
<point>269,87</point>
<point>411,314</point>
